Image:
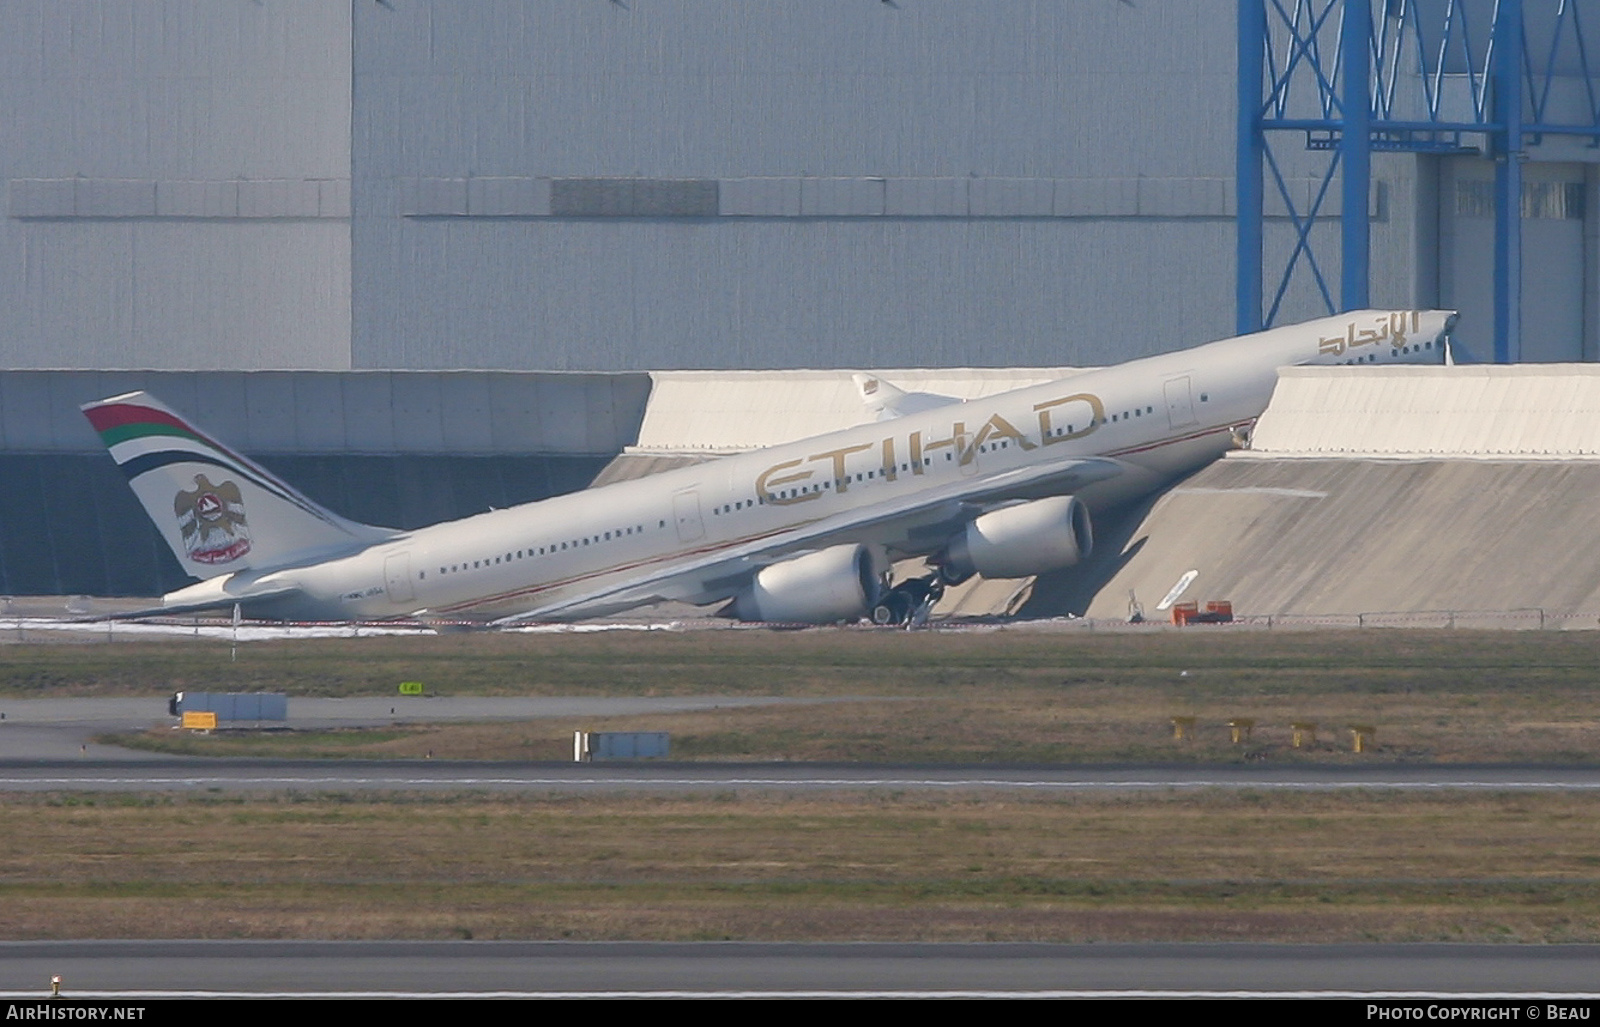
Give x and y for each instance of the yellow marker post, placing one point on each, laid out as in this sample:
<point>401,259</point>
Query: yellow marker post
<point>1303,729</point>
<point>1241,728</point>
<point>200,720</point>
<point>1181,726</point>
<point>1360,735</point>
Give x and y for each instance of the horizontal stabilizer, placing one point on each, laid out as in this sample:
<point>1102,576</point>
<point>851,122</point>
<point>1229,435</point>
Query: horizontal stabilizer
<point>202,603</point>
<point>886,401</point>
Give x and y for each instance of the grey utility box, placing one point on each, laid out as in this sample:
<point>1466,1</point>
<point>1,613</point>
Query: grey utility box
<point>232,706</point>
<point>618,745</point>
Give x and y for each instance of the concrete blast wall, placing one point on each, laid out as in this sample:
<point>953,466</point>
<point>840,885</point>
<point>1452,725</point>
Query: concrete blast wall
<point>1372,490</point>
<point>1523,412</point>
<point>1335,537</point>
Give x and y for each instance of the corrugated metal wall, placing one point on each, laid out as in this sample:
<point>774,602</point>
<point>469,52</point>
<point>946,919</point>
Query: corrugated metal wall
<point>835,183</point>
<point>70,525</point>
<point>374,412</point>
<point>402,449</point>
<point>575,184</point>
<point>177,177</point>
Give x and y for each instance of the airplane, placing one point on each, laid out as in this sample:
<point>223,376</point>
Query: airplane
<point>1005,486</point>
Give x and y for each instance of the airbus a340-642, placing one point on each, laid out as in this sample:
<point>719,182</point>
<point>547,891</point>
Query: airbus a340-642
<point>1003,486</point>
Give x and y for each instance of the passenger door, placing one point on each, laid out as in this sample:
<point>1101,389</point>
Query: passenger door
<point>397,578</point>
<point>686,514</point>
<point>1180,402</point>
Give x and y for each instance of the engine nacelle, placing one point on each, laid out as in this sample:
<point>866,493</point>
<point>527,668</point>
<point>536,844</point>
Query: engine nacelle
<point>1018,541</point>
<point>840,583</point>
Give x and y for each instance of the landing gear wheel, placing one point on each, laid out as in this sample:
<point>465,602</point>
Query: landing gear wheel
<point>951,577</point>
<point>893,608</point>
<point>908,602</point>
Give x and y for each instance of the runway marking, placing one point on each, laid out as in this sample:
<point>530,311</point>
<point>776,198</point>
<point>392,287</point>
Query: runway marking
<point>830,993</point>
<point>781,782</point>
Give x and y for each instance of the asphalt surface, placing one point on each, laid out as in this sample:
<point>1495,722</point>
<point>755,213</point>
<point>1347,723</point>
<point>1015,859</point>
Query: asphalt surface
<point>201,774</point>
<point>47,744</point>
<point>48,729</point>
<point>512,969</point>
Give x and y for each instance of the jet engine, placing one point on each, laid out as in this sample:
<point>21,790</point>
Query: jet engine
<point>838,583</point>
<point>1014,542</point>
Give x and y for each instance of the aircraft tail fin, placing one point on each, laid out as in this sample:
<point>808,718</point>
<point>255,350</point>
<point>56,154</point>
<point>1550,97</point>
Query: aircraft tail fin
<point>218,511</point>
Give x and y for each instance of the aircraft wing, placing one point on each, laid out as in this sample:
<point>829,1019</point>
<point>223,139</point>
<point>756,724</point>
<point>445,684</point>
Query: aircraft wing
<point>931,512</point>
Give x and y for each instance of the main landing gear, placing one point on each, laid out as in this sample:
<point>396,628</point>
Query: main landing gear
<point>909,602</point>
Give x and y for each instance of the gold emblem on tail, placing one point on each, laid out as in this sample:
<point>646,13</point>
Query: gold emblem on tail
<point>211,518</point>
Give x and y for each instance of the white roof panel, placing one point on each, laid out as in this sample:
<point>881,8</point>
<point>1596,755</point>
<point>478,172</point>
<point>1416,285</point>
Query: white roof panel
<point>1522,411</point>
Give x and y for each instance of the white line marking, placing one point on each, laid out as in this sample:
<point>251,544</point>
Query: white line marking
<point>781,782</point>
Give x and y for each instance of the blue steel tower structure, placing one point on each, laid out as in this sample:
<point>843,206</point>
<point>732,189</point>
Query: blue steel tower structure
<point>1353,77</point>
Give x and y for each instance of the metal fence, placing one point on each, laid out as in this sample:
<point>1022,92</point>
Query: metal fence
<point>1528,619</point>
<point>15,630</point>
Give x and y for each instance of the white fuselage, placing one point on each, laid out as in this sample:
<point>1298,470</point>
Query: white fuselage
<point>1158,417</point>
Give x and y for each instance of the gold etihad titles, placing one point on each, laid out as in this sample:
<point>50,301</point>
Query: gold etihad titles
<point>794,481</point>
<point>1391,328</point>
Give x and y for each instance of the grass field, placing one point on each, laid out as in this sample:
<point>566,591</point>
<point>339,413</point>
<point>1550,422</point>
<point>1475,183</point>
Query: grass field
<point>1341,866</point>
<point>994,696</point>
<point>821,662</point>
<point>1297,867</point>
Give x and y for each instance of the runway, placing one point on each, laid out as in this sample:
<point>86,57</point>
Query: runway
<point>154,969</point>
<point>203,774</point>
